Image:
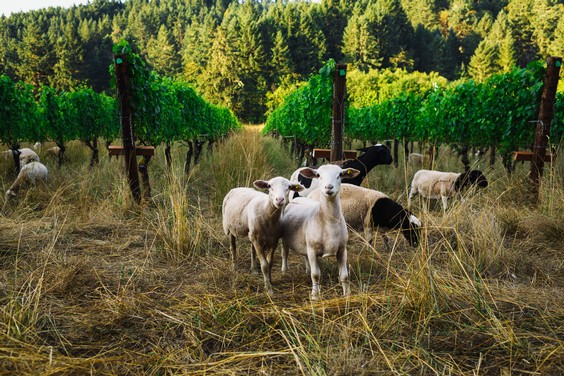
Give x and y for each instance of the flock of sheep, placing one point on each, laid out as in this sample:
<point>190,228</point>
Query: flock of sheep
<point>311,212</point>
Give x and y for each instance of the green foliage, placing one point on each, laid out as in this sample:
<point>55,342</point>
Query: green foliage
<point>91,115</point>
<point>235,52</point>
<point>495,112</point>
<point>376,86</point>
<point>18,113</point>
<point>165,110</point>
<point>306,113</point>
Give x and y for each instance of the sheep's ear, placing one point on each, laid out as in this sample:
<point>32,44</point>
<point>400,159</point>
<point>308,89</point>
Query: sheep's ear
<point>350,173</point>
<point>261,184</point>
<point>296,187</point>
<point>309,173</point>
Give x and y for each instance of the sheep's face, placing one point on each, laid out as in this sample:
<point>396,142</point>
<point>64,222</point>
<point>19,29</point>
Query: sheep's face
<point>411,230</point>
<point>278,190</point>
<point>378,153</point>
<point>477,178</point>
<point>330,177</point>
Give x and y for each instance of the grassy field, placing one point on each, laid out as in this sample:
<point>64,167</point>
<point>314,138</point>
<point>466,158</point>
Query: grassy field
<point>92,284</point>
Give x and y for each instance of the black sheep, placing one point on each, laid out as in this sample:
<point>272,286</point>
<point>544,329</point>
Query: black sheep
<point>372,156</point>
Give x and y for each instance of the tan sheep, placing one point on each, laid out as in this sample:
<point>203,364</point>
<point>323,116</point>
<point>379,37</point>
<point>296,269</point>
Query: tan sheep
<point>437,184</point>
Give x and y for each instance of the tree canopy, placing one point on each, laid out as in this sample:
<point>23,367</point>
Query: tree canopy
<point>237,52</point>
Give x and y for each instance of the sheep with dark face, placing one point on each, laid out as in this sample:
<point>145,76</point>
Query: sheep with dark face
<point>372,156</point>
<point>437,184</point>
<point>366,209</point>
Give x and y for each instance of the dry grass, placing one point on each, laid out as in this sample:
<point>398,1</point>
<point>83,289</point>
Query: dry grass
<point>90,283</point>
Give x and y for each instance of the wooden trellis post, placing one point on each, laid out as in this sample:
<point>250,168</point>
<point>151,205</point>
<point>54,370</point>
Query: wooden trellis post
<point>124,97</point>
<point>338,124</point>
<point>546,112</point>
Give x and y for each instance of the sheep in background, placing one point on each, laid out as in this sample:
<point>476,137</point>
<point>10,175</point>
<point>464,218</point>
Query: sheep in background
<point>317,228</point>
<point>37,147</point>
<point>365,209</point>
<point>437,184</point>
<point>30,174</point>
<point>373,156</point>
<point>419,160</point>
<point>54,151</point>
<point>247,212</point>
<point>27,156</point>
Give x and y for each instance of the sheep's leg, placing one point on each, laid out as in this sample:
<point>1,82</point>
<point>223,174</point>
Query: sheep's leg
<point>265,264</point>
<point>306,264</point>
<point>233,249</point>
<point>444,199</point>
<point>285,250</point>
<point>343,271</point>
<point>315,272</point>
<point>254,266</point>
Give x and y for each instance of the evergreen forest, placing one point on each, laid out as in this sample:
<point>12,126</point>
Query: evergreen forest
<point>247,54</point>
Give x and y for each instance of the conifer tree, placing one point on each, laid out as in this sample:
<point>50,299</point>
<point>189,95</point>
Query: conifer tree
<point>68,51</point>
<point>360,46</point>
<point>482,64</point>
<point>161,54</point>
<point>33,56</point>
<point>221,81</point>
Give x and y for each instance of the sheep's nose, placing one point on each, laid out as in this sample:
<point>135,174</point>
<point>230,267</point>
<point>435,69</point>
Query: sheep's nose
<point>329,187</point>
<point>280,201</point>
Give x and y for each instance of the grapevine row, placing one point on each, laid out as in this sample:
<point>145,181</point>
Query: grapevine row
<point>164,111</point>
<point>497,112</point>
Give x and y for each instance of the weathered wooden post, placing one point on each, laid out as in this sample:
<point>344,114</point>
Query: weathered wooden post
<point>546,111</point>
<point>124,97</point>
<point>338,124</point>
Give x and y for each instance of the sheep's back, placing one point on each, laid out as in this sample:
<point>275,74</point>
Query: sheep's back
<point>234,210</point>
<point>433,184</point>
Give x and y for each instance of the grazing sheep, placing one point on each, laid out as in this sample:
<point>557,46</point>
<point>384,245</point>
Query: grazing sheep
<point>418,160</point>
<point>30,173</point>
<point>437,184</point>
<point>373,156</point>
<point>37,147</point>
<point>317,228</point>
<point>365,209</point>
<point>55,150</point>
<point>27,156</point>
<point>247,212</point>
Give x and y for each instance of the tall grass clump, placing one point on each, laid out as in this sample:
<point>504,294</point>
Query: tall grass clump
<point>240,160</point>
<point>178,221</point>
